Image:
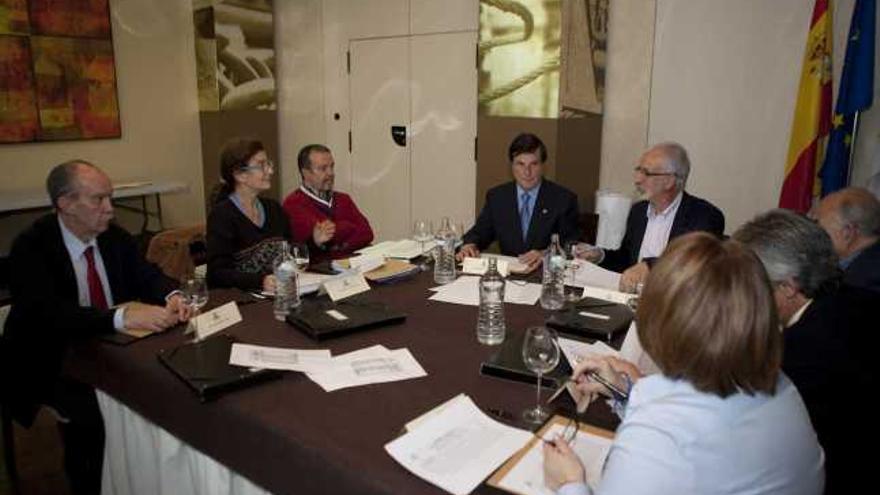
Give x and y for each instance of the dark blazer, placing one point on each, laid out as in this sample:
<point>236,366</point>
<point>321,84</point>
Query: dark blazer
<point>694,214</point>
<point>46,315</point>
<point>555,212</point>
<point>829,356</point>
<point>864,271</point>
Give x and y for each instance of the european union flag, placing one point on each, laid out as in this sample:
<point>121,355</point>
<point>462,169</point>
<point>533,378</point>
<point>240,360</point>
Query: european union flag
<point>855,94</point>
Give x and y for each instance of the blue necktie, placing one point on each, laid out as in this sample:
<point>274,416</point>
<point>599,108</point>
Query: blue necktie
<point>525,214</point>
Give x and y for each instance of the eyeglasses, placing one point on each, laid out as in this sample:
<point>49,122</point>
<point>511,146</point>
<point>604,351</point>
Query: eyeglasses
<point>266,166</point>
<point>648,173</point>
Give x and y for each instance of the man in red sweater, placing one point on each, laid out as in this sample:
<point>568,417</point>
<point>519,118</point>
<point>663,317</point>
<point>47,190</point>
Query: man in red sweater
<point>327,220</point>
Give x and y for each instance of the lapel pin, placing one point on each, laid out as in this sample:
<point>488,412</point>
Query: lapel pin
<point>544,211</point>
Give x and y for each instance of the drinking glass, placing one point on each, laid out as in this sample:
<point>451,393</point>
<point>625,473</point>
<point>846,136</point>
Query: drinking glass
<point>458,230</point>
<point>195,293</point>
<point>541,355</point>
<point>301,257</point>
<point>423,232</point>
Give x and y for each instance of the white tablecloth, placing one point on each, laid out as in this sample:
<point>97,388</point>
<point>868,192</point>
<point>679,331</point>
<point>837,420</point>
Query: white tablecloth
<point>141,458</point>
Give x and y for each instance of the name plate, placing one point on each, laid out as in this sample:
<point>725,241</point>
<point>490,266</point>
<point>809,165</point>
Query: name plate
<point>340,288</point>
<point>207,324</point>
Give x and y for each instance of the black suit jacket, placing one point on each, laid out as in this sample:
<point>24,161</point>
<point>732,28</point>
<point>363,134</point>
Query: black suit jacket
<point>694,214</point>
<point>864,271</point>
<point>555,212</point>
<point>46,315</point>
<point>829,356</point>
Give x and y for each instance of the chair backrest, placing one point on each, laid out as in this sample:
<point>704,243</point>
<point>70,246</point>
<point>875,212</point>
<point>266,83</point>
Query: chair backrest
<point>172,250</point>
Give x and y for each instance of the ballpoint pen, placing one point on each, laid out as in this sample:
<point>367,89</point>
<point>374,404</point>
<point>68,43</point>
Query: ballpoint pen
<point>618,394</point>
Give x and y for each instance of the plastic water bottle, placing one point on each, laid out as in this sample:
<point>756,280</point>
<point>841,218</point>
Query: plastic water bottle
<point>553,284</point>
<point>286,294</point>
<point>444,266</point>
<point>490,322</point>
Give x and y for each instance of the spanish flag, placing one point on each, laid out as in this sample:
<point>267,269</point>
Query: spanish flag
<point>812,115</point>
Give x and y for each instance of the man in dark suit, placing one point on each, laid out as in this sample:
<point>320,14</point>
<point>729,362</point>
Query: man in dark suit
<point>73,275</point>
<point>522,214</point>
<point>829,337</point>
<point>851,217</point>
<point>666,212</point>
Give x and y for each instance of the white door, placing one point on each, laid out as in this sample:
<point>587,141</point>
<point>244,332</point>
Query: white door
<point>379,93</point>
<point>413,103</point>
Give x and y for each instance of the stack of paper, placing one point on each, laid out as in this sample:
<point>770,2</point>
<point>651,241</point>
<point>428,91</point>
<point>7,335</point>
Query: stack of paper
<point>402,249</point>
<point>586,274</point>
<point>374,364</point>
<point>456,447</point>
<point>466,290</point>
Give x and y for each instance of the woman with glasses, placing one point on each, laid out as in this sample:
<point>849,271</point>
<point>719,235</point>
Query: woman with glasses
<point>720,417</point>
<point>243,228</point>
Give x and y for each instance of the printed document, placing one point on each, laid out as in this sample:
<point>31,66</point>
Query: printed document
<point>466,290</point>
<point>374,364</point>
<point>278,358</point>
<point>457,448</point>
<point>586,274</point>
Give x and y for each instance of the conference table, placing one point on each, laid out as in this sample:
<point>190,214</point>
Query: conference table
<point>290,436</point>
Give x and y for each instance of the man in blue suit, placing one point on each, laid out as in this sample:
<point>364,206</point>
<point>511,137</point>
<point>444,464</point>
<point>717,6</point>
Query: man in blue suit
<point>665,212</point>
<point>522,214</point>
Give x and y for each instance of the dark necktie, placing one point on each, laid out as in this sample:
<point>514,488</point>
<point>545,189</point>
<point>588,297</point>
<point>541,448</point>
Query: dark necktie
<point>96,290</point>
<point>525,214</point>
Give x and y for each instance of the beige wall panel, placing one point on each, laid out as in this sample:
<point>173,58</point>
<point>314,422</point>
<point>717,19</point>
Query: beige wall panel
<point>724,85</point>
<point>380,168</point>
<point>300,49</point>
<point>627,91</point>
<point>443,126</point>
<point>156,78</point>
<point>431,16</point>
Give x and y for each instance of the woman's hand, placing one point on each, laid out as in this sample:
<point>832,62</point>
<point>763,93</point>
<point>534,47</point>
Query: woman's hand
<point>561,465</point>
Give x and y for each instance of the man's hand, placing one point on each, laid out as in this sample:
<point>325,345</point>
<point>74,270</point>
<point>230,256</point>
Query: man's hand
<point>561,465</point>
<point>323,232</point>
<point>532,259</point>
<point>178,306</point>
<point>148,317</point>
<point>467,251</point>
<point>633,276</point>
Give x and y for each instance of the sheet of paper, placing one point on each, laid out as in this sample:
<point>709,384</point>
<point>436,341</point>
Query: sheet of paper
<point>402,249</point>
<point>217,319</point>
<point>457,448</point>
<point>463,290</point>
<point>607,294</point>
<point>340,288</point>
<point>575,350</point>
<point>527,477</point>
<point>587,274</point>
<point>478,266</point>
<point>374,364</point>
<point>513,263</point>
<point>516,292</point>
<point>366,262</point>
<point>308,282</point>
<point>279,358</point>
<point>415,423</point>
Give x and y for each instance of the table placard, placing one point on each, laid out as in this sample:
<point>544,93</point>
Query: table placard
<point>340,288</point>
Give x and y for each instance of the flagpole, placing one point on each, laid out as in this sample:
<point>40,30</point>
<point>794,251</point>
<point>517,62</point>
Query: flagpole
<point>852,147</point>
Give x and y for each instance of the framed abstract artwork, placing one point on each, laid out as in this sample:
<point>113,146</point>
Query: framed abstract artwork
<point>57,72</point>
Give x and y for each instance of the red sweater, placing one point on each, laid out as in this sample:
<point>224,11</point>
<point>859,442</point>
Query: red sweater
<point>352,228</point>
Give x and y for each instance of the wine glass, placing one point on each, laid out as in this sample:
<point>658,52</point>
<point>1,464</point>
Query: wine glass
<point>458,230</point>
<point>301,257</point>
<point>195,293</point>
<point>422,233</point>
<point>541,355</point>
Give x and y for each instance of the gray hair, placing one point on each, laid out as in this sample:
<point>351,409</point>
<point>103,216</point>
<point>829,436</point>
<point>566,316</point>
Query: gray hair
<point>792,247</point>
<point>62,179</point>
<point>677,161</point>
<point>860,208</point>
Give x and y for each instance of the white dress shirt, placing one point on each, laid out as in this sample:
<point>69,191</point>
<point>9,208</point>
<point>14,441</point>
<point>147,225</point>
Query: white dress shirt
<point>76,249</point>
<point>677,440</point>
<point>658,228</point>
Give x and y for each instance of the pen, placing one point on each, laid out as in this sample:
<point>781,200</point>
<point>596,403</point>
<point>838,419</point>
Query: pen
<point>618,394</point>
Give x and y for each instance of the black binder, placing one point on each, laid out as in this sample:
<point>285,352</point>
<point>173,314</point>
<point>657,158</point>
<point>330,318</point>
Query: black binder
<point>322,318</point>
<point>507,362</point>
<point>572,320</point>
<point>204,366</point>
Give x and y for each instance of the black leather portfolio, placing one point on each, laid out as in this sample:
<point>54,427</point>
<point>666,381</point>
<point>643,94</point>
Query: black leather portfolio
<point>594,318</point>
<point>507,362</point>
<point>322,318</point>
<point>204,366</point>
